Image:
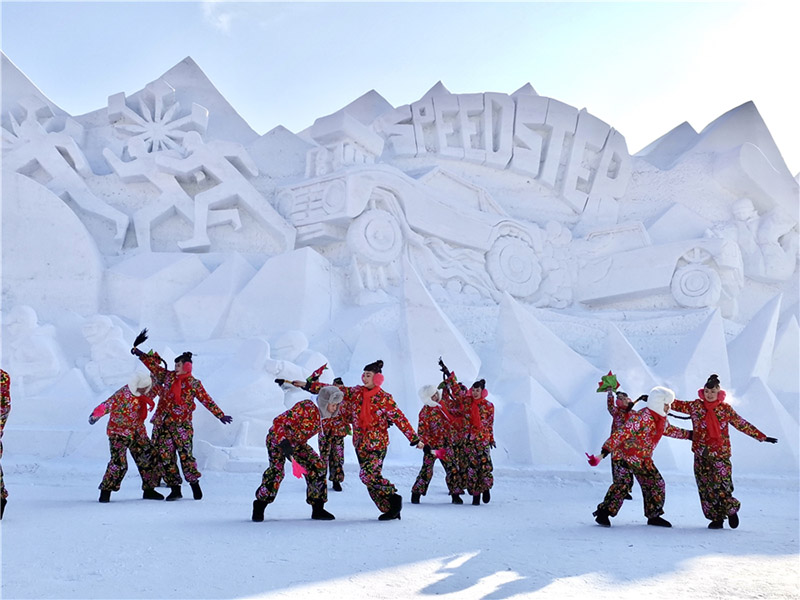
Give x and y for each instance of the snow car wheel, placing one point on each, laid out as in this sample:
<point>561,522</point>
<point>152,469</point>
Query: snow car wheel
<point>696,286</point>
<point>514,266</point>
<point>375,236</point>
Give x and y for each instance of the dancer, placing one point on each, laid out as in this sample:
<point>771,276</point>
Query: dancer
<point>479,438</point>
<point>371,410</point>
<point>634,445</point>
<point>435,431</point>
<point>173,431</point>
<point>619,408</point>
<point>5,408</point>
<point>331,445</point>
<point>288,437</point>
<point>126,431</point>
<point>711,445</point>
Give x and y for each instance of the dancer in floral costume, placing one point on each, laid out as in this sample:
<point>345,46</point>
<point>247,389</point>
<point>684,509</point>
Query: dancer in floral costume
<point>288,439</point>
<point>126,431</point>
<point>331,446</point>
<point>711,445</point>
<point>619,408</point>
<point>634,444</point>
<point>479,434</point>
<point>173,431</point>
<point>371,410</point>
<point>5,408</point>
<point>435,431</point>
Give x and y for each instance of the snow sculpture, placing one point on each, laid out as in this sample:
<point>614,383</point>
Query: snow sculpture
<point>111,362</point>
<point>768,243</point>
<point>222,166</point>
<point>291,359</point>
<point>32,351</point>
<point>54,159</point>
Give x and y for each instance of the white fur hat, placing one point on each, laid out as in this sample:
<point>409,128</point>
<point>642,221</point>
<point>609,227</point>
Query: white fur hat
<point>328,395</point>
<point>426,392</point>
<point>140,380</point>
<point>658,398</point>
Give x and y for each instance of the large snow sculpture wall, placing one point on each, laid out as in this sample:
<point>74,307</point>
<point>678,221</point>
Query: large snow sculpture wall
<point>513,235</point>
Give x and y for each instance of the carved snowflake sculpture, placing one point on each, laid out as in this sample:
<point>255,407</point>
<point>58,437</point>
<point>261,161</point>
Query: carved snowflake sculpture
<point>33,125</point>
<point>156,121</point>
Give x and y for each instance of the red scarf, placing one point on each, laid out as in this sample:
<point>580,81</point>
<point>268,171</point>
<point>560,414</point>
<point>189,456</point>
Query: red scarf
<point>175,389</point>
<point>713,430</point>
<point>661,424</point>
<point>145,404</point>
<point>365,417</point>
<point>475,416</point>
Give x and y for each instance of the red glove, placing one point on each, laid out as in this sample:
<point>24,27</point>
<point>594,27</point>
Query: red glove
<point>593,460</point>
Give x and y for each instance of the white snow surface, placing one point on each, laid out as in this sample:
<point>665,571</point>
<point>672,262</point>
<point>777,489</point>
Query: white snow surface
<point>535,539</point>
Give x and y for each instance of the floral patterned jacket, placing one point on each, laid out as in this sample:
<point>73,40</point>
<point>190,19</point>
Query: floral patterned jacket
<point>618,415</point>
<point>5,399</point>
<point>128,411</point>
<point>169,408</point>
<point>725,414</point>
<point>298,424</point>
<point>335,427</point>
<point>434,426</point>
<point>639,436</point>
<point>462,401</point>
<point>385,413</point>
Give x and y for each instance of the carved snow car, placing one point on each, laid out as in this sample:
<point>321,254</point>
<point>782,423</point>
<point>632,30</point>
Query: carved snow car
<point>698,273</point>
<point>377,210</point>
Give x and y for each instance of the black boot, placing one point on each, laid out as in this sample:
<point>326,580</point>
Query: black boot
<point>105,496</point>
<point>151,494</point>
<point>395,506</point>
<point>476,500</point>
<point>486,497</point>
<point>3,503</point>
<point>414,498</point>
<point>196,491</point>
<point>659,522</point>
<point>457,499</point>
<point>715,525</point>
<point>601,517</point>
<point>733,520</point>
<point>337,487</point>
<point>318,512</point>
<point>258,510</point>
<point>175,493</point>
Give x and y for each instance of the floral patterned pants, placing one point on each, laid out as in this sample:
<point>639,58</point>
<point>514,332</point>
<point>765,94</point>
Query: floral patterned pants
<point>169,439</point>
<point>426,473</point>
<point>378,487</point>
<point>304,455</point>
<point>3,490</point>
<point>715,485</point>
<point>653,489</point>
<point>478,477</point>
<point>143,456</point>
<point>331,450</point>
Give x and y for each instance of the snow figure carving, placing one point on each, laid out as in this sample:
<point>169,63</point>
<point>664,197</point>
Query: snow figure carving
<point>768,243</point>
<point>111,362</point>
<point>224,165</point>
<point>32,351</point>
<point>54,159</point>
<point>172,197</point>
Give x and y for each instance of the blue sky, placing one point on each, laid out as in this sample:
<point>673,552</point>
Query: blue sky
<point>641,67</point>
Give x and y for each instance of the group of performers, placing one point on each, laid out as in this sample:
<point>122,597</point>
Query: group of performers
<point>455,427</point>
<point>635,435</point>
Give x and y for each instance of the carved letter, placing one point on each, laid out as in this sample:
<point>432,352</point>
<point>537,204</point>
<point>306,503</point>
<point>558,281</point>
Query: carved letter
<point>529,134</point>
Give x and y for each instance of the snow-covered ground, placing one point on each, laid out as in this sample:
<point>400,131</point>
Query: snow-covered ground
<point>535,539</point>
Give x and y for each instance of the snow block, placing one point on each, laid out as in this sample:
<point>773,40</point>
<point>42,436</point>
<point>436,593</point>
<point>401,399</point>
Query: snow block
<point>146,287</point>
<point>291,291</point>
<point>202,311</point>
<point>750,353</point>
<point>429,334</point>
